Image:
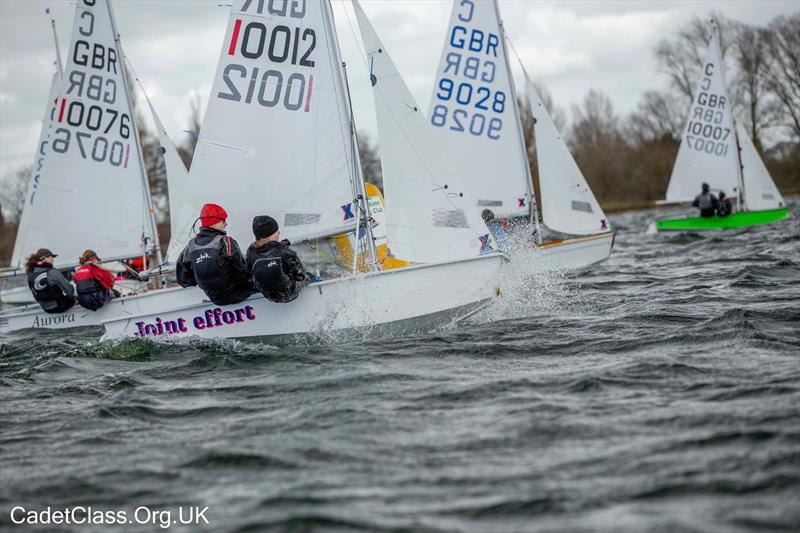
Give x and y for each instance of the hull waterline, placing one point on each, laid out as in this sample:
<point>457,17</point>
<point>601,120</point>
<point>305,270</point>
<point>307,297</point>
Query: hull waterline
<point>742,219</point>
<point>572,254</point>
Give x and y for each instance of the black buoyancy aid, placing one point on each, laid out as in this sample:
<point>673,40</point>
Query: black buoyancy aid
<point>704,201</point>
<point>40,286</point>
<point>210,268</point>
<point>269,276</point>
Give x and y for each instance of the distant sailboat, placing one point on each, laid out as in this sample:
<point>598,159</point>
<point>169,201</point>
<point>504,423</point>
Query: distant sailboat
<point>278,138</point>
<point>716,150</point>
<point>474,107</point>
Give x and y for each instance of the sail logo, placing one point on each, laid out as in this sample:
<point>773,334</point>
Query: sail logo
<point>348,211</point>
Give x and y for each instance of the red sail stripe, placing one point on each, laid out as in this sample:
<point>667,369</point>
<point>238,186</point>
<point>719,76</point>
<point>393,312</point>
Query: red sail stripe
<point>308,95</point>
<point>61,112</point>
<point>236,27</point>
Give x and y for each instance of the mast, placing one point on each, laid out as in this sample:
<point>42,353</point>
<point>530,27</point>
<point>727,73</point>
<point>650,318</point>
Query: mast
<point>359,183</point>
<point>145,183</point>
<point>536,230</point>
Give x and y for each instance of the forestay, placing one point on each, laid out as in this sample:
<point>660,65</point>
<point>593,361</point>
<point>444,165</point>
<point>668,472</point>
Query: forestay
<point>93,163</point>
<point>276,137</point>
<point>760,191</point>
<point>472,107</point>
<point>708,149</point>
<point>20,249</point>
<point>568,204</point>
<point>430,216</point>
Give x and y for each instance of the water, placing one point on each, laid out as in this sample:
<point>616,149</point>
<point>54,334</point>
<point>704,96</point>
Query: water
<point>659,391</point>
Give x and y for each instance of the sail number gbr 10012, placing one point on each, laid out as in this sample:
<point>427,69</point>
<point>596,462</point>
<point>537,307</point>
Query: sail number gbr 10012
<point>270,87</point>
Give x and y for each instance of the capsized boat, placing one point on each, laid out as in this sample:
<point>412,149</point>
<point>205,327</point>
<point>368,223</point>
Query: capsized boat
<point>474,107</point>
<point>278,138</point>
<point>89,161</point>
<point>716,150</point>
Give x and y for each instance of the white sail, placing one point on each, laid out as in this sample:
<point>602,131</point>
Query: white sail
<point>276,138</point>
<point>429,213</point>
<point>20,249</point>
<point>568,204</point>
<point>91,191</point>
<point>473,108</point>
<point>176,170</point>
<point>760,192</point>
<point>708,149</point>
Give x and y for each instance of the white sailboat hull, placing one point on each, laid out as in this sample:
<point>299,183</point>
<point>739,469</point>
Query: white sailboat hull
<point>399,301</point>
<point>33,317</point>
<point>573,254</point>
<point>23,295</point>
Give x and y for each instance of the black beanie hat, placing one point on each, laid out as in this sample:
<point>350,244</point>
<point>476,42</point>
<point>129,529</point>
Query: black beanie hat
<point>264,226</point>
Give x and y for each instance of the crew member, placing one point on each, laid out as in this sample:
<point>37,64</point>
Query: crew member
<point>49,286</point>
<point>213,261</point>
<point>95,284</point>
<point>725,207</point>
<point>497,229</point>
<point>277,271</point>
<point>706,202</point>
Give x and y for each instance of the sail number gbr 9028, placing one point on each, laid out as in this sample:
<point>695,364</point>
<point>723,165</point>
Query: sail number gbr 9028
<point>281,44</point>
<point>465,99</point>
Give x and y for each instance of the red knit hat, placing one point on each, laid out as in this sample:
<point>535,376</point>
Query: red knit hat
<point>210,214</point>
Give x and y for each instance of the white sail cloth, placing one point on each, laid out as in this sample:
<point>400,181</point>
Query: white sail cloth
<point>276,138</point>
<point>473,109</point>
<point>708,148</point>
<point>21,248</point>
<point>93,164</point>
<point>760,192</point>
<point>568,204</point>
<point>430,214</point>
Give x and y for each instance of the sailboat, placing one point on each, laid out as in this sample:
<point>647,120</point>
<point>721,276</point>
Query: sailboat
<point>716,150</point>
<point>90,188</point>
<point>279,138</point>
<point>474,107</point>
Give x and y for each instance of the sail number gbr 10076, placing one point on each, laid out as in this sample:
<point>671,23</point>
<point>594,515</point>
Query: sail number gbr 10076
<point>270,87</point>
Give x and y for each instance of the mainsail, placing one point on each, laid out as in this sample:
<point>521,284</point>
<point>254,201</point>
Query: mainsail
<point>760,192</point>
<point>473,108</point>
<point>708,149</point>
<point>276,138</point>
<point>430,215</point>
<point>93,159</point>
<point>20,250</point>
<point>568,204</point>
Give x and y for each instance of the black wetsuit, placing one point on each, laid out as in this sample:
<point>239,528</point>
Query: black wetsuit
<point>277,271</point>
<point>51,289</point>
<point>214,262</point>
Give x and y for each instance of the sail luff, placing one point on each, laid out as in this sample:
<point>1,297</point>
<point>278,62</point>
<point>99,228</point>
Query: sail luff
<point>534,213</point>
<point>150,215</point>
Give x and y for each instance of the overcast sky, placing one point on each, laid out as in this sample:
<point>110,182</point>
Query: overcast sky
<point>571,46</point>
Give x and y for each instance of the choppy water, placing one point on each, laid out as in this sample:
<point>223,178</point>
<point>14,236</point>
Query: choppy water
<point>659,391</point>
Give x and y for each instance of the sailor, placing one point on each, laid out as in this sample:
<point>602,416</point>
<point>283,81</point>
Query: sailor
<point>725,206</point>
<point>95,284</point>
<point>213,261</point>
<point>494,225</point>
<point>706,202</point>
<point>277,271</point>
<point>49,286</point>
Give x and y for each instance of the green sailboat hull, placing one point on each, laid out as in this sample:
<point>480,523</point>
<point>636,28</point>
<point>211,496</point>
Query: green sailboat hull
<point>742,219</point>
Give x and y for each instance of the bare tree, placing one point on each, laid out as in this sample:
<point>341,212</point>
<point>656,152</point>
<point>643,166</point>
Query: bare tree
<point>13,191</point>
<point>370,160</point>
<point>658,115</point>
<point>187,148</point>
<point>783,69</point>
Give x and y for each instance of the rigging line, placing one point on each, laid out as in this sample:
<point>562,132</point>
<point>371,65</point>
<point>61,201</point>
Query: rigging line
<point>519,58</point>
<point>361,52</point>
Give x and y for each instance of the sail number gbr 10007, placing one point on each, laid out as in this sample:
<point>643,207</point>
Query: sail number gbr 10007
<point>270,87</point>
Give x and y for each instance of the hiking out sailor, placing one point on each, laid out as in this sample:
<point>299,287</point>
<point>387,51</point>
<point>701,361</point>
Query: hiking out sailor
<point>706,202</point>
<point>277,271</point>
<point>49,286</point>
<point>213,261</point>
<point>497,229</point>
<point>725,206</point>
<point>94,283</point>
